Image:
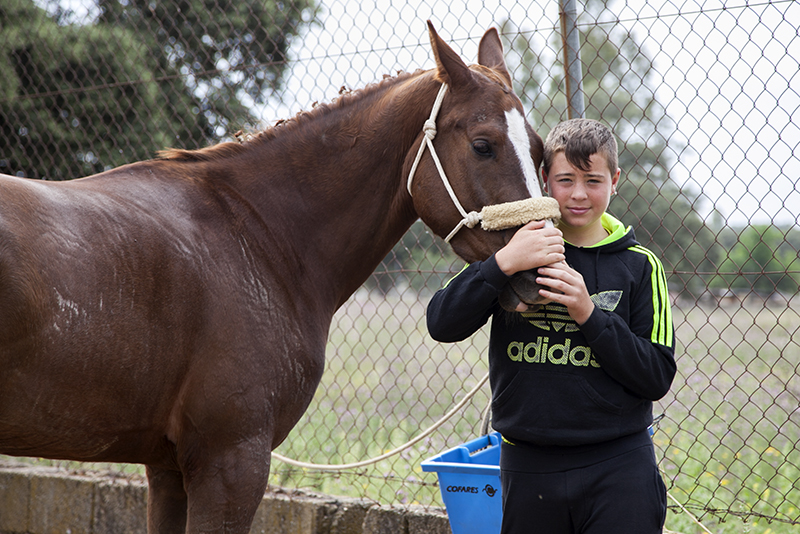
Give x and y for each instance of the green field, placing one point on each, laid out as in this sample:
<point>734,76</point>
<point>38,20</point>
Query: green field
<point>729,441</point>
<point>727,445</point>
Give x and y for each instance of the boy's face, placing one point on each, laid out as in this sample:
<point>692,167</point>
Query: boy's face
<point>582,195</point>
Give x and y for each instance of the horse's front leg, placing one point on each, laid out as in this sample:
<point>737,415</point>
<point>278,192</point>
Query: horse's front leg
<point>166,502</point>
<point>226,487</point>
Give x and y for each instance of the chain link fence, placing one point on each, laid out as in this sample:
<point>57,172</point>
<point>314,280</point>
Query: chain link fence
<point>704,97</point>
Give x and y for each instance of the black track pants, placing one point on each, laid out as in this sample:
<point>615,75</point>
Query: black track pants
<point>623,494</point>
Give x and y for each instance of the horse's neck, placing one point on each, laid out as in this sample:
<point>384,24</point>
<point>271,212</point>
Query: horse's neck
<point>337,190</point>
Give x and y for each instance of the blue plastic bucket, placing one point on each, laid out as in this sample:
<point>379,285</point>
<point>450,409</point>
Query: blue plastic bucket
<point>469,480</point>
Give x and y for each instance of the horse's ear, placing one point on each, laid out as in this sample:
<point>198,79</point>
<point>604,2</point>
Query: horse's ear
<point>490,54</point>
<point>451,68</point>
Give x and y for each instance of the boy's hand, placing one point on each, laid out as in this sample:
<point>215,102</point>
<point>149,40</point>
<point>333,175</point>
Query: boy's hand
<point>532,246</point>
<point>568,288</point>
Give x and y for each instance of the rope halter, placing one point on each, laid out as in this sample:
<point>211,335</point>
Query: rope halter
<point>523,210</point>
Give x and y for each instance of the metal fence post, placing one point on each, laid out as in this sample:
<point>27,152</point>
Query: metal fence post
<point>573,69</point>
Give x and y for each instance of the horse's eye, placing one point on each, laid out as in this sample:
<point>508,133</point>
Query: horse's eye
<point>482,148</point>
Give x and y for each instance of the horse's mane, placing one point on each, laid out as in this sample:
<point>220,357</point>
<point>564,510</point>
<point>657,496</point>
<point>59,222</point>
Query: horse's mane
<point>246,140</point>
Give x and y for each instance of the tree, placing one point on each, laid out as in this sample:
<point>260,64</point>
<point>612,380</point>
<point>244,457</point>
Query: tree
<point>617,85</point>
<point>77,99</point>
<point>760,258</point>
<point>214,44</point>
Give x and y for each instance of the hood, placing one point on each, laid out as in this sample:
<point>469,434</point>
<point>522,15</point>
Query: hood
<point>619,236</point>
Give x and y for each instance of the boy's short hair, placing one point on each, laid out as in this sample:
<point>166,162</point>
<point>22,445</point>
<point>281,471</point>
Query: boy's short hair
<point>579,139</point>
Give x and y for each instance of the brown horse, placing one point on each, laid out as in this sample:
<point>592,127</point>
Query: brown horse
<point>174,312</point>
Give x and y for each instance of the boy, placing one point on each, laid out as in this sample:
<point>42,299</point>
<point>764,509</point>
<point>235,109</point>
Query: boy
<point>573,382</point>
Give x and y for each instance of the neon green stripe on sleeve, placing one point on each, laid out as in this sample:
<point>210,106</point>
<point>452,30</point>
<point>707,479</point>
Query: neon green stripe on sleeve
<point>453,277</point>
<point>662,332</point>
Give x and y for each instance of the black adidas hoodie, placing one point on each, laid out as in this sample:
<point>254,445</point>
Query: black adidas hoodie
<point>553,382</point>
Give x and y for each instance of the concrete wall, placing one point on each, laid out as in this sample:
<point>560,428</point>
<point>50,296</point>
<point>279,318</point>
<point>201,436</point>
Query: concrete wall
<point>45,500</point>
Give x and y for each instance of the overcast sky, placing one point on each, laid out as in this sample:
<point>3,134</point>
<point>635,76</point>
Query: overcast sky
<point>729,78</point>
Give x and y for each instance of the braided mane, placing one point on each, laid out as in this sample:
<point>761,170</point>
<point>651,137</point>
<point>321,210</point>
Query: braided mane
<point>246,140</point>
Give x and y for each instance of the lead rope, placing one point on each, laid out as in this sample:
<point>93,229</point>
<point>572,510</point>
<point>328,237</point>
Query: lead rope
<point>401,448</point>
<point>429,130</point>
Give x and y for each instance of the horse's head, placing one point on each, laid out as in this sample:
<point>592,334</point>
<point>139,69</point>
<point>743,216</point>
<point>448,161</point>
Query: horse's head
<point>489,155</point>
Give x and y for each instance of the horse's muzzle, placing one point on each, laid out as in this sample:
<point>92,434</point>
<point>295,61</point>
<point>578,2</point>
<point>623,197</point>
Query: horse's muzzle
<point>523,290</point>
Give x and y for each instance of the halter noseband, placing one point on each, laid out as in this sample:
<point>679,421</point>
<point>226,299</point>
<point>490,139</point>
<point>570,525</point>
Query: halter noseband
<point>507,215</point>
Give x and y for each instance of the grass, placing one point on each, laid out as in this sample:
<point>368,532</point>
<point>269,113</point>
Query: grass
<point>727,445</point>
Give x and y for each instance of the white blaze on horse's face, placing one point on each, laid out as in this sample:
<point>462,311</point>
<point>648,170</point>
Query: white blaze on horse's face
<point>522,144</point>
